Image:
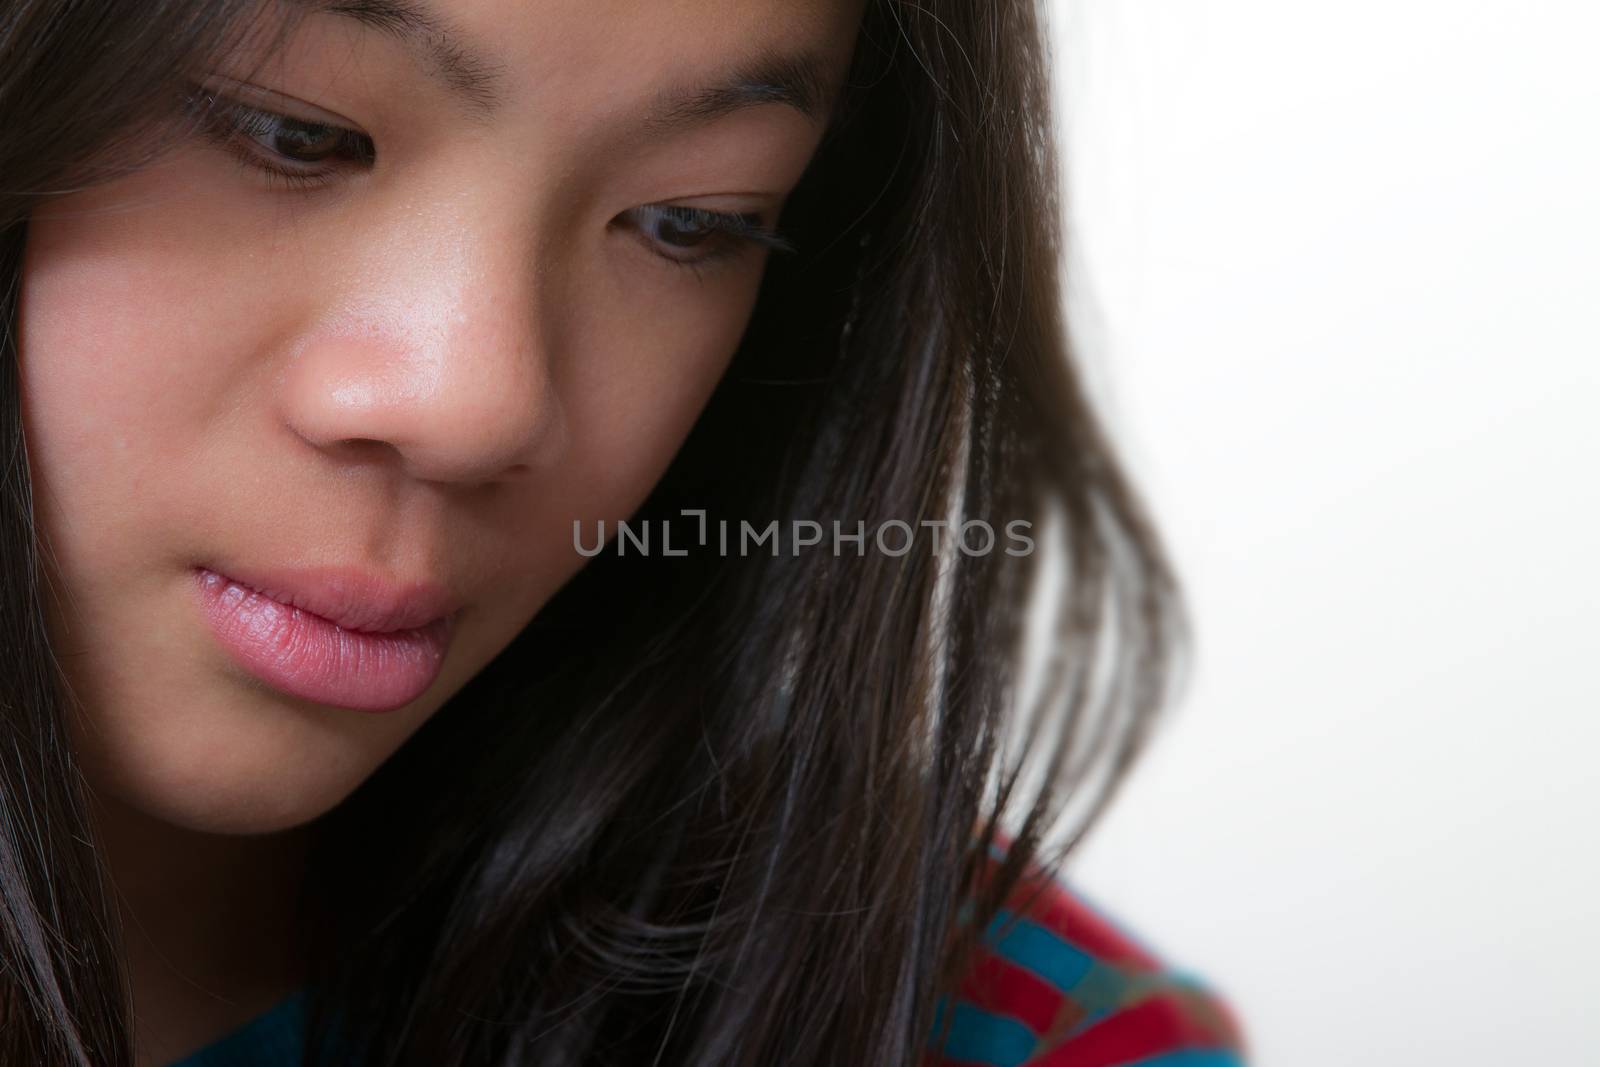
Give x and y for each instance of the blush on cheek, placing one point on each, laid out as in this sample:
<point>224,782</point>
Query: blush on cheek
<point>115,389</point>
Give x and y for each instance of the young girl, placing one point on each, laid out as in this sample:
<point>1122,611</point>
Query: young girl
<point>517,529</point>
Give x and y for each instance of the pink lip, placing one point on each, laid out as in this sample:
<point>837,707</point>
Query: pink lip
<point>334,636</point>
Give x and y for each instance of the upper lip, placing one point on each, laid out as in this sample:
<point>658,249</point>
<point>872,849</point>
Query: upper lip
<point>349,597</point>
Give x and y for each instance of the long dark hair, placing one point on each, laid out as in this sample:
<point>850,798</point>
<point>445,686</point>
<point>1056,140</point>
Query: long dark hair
<point>733,804</point>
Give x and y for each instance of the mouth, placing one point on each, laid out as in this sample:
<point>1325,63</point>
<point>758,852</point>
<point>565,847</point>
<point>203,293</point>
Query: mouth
<point>335,637</point>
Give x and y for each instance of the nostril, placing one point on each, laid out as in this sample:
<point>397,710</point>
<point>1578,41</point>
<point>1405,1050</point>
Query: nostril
<point>361,445</point>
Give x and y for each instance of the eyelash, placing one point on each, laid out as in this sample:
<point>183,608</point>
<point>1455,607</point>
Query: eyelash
<point>224,121</point>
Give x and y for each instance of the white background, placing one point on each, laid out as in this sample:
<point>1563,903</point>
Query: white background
<point>1334,274</point>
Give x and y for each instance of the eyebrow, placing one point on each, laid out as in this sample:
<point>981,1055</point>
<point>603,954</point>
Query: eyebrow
<point>468,74</point>
<point>795,81</point>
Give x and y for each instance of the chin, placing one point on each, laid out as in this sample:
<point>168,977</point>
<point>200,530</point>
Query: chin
<point>245,801</point>
<point>237,811</point>
<point>232,785</point>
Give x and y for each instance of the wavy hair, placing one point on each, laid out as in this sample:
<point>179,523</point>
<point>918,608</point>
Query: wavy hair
<point>735,804</point>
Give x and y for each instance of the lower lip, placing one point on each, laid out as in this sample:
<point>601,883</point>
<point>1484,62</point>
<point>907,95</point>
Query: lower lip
<point>306,656</point>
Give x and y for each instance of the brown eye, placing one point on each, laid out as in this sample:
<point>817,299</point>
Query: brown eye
<point>302,141</point>
<point>302,153</point>
<point>682,227</point>
<point>296,139</point>
<point>694,235</point>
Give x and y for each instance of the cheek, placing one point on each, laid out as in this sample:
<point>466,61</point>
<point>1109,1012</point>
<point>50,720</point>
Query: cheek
<point>107,390</point>
<point>125,335</point>
<point>648,362</point>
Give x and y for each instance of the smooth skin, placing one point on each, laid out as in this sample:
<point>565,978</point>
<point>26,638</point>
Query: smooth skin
<point>428,366</point>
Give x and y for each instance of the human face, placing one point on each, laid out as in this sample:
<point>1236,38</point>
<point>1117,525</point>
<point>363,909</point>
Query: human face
<point>475,326</point>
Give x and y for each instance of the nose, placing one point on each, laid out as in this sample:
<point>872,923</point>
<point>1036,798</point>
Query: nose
<point>443,368</point>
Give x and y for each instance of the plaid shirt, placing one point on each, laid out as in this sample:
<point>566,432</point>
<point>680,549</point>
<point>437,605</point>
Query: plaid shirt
<point>1057,984</point>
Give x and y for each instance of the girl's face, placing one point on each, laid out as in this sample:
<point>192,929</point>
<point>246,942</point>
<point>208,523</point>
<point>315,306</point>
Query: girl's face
<point>413,352</point>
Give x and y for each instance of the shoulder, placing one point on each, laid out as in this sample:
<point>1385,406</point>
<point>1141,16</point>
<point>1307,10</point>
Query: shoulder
<point>1057,983</point>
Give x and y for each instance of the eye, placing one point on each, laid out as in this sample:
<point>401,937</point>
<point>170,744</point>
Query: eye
<point>694,235</point>
<point>303,153</point>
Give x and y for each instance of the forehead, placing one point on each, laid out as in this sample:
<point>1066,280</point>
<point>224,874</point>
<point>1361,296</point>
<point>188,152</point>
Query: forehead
<point>491,53</point>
